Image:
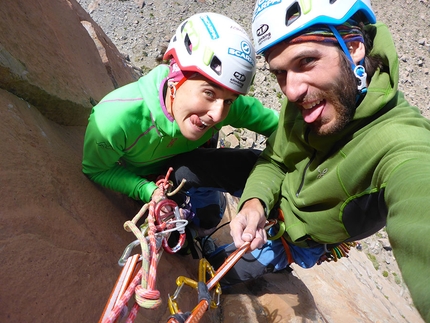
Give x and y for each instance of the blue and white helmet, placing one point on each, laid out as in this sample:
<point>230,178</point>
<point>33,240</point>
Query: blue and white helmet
<point>216,47</point>
<point>277,20</point>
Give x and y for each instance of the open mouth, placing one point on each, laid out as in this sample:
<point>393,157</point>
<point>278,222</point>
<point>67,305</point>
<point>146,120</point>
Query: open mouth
<point>202,126</point>
<point>312,111</point>
<point>199,123</point>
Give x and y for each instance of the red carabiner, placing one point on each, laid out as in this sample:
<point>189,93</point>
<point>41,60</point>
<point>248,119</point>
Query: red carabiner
<point>178,246</point>
<point>164,212</point>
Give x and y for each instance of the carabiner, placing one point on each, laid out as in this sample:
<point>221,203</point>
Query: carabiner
<point>127,252</point>
<point>163,215</point>
<point>180,229</point>
<point>178,246</point>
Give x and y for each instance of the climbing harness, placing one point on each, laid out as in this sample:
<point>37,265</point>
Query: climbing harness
<point>331,252</point>
<point>163,218</point>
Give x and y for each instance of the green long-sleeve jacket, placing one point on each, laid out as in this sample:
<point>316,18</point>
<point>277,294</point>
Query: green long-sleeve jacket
<point>131,135</point>
<point>349,185</point>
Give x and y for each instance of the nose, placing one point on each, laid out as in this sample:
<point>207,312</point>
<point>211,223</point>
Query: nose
<point>294,87</point>
<point>217,111</point>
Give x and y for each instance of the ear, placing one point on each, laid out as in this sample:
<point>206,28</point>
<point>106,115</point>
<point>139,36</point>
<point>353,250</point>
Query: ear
<point>356,50</point>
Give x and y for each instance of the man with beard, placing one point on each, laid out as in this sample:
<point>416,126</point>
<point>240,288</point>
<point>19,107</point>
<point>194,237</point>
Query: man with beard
<point>349,156</point>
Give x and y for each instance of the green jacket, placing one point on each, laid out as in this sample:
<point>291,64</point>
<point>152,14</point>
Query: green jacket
<point>348,186</point>
<point>130,134</point>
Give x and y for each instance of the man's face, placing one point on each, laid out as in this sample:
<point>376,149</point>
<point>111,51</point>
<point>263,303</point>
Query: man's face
<point>319,80</point>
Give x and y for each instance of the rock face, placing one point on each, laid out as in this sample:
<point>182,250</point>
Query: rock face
<point>48,59</point>
<point>61,235</point>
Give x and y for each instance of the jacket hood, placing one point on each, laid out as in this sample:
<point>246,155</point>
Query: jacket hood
<point>383,85</point>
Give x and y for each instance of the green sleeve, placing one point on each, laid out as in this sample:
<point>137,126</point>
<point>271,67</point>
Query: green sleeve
<point>102,151</point>
<point>248,112</point>
<point>268,173</point>
<point>408,226</point>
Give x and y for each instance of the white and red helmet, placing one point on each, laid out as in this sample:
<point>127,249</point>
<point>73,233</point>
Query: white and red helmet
<point>216,47</point>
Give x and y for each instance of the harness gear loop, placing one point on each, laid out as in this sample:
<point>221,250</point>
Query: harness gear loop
<point>280,235</point>
<point>337,252</point>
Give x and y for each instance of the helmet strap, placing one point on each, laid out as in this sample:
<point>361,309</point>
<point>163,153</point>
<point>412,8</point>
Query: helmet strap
<point>173,88</point>
<point>359,70</point>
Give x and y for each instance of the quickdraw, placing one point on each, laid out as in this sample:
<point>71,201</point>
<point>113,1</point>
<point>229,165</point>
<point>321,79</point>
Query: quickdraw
<point>204,288</point>
<point>163,218</point>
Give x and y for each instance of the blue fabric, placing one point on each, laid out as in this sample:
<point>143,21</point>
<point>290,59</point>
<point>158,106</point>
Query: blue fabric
<point>270,258</point>
<point>204,196</point>
<point>273,253</point>
<point>306,257</point>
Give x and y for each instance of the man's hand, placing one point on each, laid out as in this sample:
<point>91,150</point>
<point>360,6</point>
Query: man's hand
<point>248,225</point>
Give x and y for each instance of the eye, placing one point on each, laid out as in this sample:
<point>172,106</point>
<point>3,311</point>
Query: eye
<point>307,60</point>
<point>278,72</point>
<point>228,102</point>
<point>209,93</point>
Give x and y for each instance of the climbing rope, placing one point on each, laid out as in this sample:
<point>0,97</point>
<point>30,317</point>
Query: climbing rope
<point>163,217</point>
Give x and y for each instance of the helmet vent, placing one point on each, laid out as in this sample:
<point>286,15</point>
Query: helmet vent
<point>293,13</point>
<point>188,45</point>
<point>216,65</point>
<point>332,1</point>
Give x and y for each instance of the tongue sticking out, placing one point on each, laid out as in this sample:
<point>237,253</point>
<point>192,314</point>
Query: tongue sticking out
<point>195,120</point>
<point>311,115</point>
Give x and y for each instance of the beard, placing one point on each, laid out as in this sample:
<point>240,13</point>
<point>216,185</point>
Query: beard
<point>342,94</point>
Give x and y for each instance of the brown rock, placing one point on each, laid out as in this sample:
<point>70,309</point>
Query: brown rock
<point>48,58</point>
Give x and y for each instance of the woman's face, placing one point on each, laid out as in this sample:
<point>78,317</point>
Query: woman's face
<point>200,104</point>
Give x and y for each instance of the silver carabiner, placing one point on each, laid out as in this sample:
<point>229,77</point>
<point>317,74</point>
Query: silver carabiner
<point>127,252</point>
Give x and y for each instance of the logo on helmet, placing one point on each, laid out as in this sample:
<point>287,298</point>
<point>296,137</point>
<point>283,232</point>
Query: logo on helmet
<point>246,48</point>
<point>262,30</point>
<point>239,76</point>
<point>243,53</point>
<point>238,79</point>
<point>264,4</point>
<point>263,34</point>
<point>210,27</point>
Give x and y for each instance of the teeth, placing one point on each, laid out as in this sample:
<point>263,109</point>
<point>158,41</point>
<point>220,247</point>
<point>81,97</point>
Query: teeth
<point>311,105</point>
<point>204,124</point>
